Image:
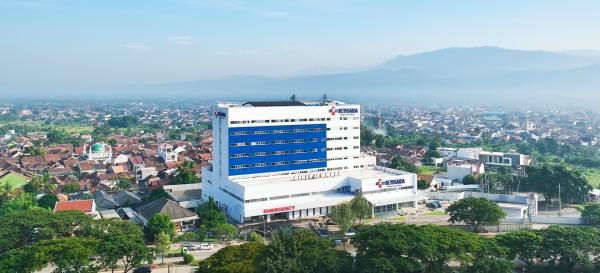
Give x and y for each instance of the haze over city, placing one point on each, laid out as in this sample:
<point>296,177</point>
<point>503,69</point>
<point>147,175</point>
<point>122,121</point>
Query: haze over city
<point>135,48</point>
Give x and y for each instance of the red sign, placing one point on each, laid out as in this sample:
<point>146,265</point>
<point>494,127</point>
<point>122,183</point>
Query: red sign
<point>280,209</point>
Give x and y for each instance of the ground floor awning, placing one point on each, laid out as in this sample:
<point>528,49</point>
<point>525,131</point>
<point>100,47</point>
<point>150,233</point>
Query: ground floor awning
<point>392,197</point>
<point>298,203</point>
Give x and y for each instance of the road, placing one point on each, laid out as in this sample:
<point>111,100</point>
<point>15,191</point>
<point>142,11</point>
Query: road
<point>199,255</point>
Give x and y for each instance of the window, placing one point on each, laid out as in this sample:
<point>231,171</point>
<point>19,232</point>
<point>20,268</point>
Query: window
<point>240,133</point>
<point>260,154</point>
<point>255,200</point>
<point>279,197</point>
<point>260,143</point>
<point>240,144</point>
<point>279,142</point>
<point>300,194</point>
<point>262,132</point>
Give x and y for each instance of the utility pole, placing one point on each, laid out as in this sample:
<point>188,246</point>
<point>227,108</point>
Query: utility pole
<point>559,200</point>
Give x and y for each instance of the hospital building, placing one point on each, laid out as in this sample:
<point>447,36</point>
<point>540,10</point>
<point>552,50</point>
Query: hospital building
<point>292,159</point>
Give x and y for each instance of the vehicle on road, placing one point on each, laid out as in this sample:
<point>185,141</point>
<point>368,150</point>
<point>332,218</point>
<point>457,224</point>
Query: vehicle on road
<point>207,246</point>
<point>142,270</point>
<point>323,232</point>
<point>350,232</point>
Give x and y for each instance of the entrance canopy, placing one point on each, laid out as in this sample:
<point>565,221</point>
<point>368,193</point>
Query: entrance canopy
<point>392,197</point>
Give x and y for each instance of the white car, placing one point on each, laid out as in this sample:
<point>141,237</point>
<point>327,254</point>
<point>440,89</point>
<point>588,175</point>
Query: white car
<point>207,246</point>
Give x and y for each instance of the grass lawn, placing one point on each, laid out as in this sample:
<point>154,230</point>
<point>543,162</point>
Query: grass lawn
<point>428,170</point>
<point>593,176</point>
<point>14,180</point>
<point>399,218</point>
<point>40,126</point>
<point>435,213</point>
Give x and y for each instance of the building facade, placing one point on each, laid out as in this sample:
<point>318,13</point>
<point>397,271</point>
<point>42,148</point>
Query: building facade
<point>291,159</point>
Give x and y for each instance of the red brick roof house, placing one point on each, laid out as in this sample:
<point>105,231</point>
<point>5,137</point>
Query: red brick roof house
<point>33,163</point>
<point>86,206</point>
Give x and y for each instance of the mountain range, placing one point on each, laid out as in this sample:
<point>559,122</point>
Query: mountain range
<point>470,75</point>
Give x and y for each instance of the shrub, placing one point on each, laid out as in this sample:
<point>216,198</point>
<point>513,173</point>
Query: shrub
<point>188,258</point>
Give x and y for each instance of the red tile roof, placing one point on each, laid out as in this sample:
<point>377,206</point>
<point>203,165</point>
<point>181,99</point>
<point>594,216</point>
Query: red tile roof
<point>78,205</point>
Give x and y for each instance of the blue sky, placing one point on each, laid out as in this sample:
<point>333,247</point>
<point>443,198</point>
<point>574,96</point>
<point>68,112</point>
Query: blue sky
<point>83,42</point>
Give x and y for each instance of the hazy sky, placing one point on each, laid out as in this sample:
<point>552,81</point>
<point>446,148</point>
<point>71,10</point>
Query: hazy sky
<point>83,42</point>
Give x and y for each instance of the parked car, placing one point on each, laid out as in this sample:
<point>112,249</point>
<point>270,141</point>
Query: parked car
<point>350,232</point>
<point>207,246</point>
<point>323,232</point>
<point>142,270</point>
<point>189,247</point>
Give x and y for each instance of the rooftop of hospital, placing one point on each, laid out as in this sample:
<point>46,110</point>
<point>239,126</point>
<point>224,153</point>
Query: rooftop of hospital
<point>367,173</point>
<point>281,103</point>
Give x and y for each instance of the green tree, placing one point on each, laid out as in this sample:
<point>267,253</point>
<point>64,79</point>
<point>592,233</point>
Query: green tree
<point>489,257</point>
<point>158,193</point>
<point>475,212</point>
<point>255,238</point>
<point>385,248</point>
<point>124,183</point>
<point>210,215</point>
<point>422,185</point>
<point>112,142</point>
<point>470,179</point>
<point>361,207</point>
<point>121,244</point>
<point>36,150</point>
<point>186,173</point>
<point>161,223</point>
<point>188,258</point>
<point>39,184</point>
<point>162,245</point>
<point>522,244</point>
<point>567,247</point>
<point>366,136</point>
<point>6,193</point>
<point>574,188</point>
<point>48,201</point>
<point>19,202</point>
<point>233,259</point>
<point>225,231</point>
<point>490,265</point>
<point>435,246</point>
<point>71,188</point>
<point>400,163</point>
<point>299,251</point>
<point>591,214</point>
<point>68,255</point>
<point>343,215</point>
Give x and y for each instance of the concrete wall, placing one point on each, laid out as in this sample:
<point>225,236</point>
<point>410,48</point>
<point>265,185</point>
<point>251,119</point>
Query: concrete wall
<point>557,220</point>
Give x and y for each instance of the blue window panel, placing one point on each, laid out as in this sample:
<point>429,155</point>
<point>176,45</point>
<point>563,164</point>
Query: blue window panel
<point>320,145</point>
<point>277,147</point>
<point>276,158</point>
<point>266,169</point>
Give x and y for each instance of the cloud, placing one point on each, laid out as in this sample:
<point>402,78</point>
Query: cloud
<point>137,47</point>
<point>181,40</point>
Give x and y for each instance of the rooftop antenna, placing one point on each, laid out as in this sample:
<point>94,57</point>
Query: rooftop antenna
<point>293,97</point>
<point>324,98</point>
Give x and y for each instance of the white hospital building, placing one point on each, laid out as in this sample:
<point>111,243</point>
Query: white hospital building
<point>291,159</point>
